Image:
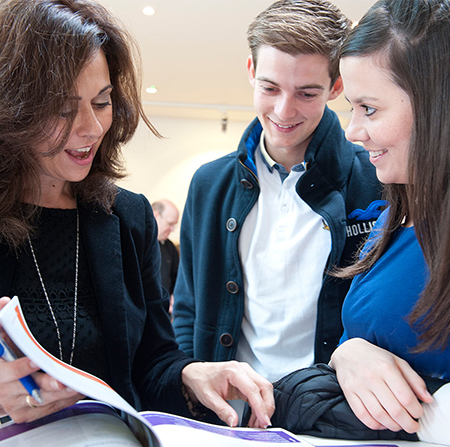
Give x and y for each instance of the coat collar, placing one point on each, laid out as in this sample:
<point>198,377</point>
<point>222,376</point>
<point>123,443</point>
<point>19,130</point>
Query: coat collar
<point>101,235</point>
<point>328,146</point>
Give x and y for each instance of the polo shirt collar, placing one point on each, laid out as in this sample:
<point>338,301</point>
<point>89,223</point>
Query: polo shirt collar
<point>271,163</point>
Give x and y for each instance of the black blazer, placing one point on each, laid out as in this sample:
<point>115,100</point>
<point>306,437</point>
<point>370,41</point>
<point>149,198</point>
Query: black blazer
<point>124,260</point>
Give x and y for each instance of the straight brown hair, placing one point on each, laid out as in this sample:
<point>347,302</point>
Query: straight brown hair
<point>301,27</point>
<point>412,40</point>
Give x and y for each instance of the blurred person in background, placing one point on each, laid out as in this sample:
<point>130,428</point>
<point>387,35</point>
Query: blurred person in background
<point>167,215</point>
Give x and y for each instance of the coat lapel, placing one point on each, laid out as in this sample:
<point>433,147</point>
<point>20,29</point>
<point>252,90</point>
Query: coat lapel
<point>101,235</point>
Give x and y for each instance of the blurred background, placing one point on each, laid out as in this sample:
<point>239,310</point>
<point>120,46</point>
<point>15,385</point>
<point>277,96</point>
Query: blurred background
<point>194,87</point>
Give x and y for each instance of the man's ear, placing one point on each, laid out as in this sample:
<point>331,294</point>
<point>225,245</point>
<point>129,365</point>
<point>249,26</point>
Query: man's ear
<point>251,71</point>
<point>336,90</point>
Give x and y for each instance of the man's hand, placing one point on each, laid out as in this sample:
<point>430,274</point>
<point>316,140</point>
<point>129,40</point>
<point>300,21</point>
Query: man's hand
<point>213,384</point>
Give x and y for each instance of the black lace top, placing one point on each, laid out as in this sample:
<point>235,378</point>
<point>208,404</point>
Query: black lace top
<point>55,248</point>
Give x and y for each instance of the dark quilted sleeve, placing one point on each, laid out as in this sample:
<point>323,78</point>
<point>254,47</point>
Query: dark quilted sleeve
<point>310,402</point>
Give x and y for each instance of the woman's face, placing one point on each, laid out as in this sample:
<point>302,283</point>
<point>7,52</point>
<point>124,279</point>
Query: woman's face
<point>382,116</point>
<point>92,121</point>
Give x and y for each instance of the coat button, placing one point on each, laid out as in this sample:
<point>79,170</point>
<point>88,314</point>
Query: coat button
<point>226,340</point>
<point>231,224</point>
<point>246,184</point>
<point>232,287</point>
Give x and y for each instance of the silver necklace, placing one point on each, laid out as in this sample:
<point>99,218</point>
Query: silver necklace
<point>75,300</point>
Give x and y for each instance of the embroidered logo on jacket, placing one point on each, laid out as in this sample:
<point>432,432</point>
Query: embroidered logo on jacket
<point>373,211</point>
<point>367,218</point>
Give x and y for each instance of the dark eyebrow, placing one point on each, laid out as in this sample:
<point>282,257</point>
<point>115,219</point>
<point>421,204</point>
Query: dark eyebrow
<point>103,90</point>
<point>264,79</point>
<point>303,87</point>
<point>362,99</point>
<point>312,86</point>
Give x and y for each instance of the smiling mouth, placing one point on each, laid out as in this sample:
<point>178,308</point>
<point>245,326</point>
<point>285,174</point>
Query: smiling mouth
<point>375,154</point>
<point>81,154</point>
<point>280,126</point>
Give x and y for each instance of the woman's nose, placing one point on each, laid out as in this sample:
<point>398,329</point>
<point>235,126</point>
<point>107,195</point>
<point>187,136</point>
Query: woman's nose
<point>355,131</point>
<point>87,124</point>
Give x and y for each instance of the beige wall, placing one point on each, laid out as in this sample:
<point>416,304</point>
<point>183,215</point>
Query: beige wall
<point>164,168</point>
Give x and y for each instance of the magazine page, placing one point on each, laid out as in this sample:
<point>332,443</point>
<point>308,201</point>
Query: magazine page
<point>175,430</point>
<point>435,421</point>
<point>13,322</point>
<point>151,428</point>
<point>94,424</point>
<point>86,424</point>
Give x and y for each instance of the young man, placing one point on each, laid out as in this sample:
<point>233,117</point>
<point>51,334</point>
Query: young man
<point>263,226</point>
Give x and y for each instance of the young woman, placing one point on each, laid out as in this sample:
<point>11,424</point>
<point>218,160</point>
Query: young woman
<point>396,316</point>
<point>81,253</point>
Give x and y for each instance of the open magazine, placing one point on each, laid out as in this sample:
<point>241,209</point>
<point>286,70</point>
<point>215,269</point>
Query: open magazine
<point>98,423</point>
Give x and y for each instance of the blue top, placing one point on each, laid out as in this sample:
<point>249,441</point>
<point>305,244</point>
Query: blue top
<point>379,301</point>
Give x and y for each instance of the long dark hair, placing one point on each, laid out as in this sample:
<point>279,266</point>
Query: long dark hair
<point>412,40</point>
<point>44,45</point>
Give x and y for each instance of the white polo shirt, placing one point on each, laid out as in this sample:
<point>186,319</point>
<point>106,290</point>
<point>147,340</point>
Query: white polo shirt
<point>284,246</point>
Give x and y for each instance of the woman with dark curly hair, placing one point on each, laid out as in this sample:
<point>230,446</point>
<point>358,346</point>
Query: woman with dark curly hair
<point>79,252</point>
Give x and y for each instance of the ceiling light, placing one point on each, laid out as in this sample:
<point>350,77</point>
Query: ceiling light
<point>148,11</point>
<point>151,89</point>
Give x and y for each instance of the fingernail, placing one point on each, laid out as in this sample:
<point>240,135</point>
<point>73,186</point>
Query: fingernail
<point>54,384</point>
<point>33,365</point>
<point>230,421</point>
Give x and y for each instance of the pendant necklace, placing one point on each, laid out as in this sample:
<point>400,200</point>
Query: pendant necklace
<point>75,301</point>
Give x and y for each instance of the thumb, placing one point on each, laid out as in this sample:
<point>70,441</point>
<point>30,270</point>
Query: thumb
<point>4,301</point>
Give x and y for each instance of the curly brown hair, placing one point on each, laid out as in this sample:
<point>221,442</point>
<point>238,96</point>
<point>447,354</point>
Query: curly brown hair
<point>44,45</point>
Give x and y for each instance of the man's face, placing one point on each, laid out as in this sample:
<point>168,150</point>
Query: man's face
<point>166,222</point>
<point>290,94</point>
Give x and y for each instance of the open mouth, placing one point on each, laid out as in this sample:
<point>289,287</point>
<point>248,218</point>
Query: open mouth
<point>80,154</point>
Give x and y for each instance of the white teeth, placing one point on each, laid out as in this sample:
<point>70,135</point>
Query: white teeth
<point>85,149</point>
<point>283,127</point>
<point>286,127</point>
<point>377,153</point>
